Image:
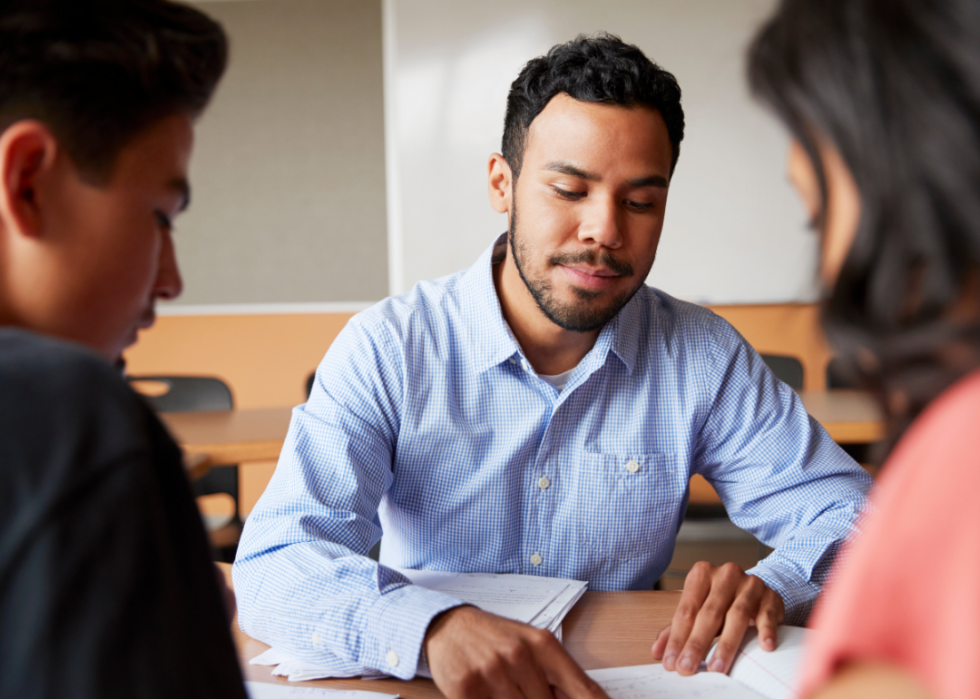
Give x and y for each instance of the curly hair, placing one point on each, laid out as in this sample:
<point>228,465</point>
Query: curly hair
<point>598,68</point>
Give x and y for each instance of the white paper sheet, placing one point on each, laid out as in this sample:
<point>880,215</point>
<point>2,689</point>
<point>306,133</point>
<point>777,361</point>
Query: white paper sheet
<point>772,674</point>
<point>263,690</point>
<point>551,616</point>
<point>520,597</point>
<point>654,682</point>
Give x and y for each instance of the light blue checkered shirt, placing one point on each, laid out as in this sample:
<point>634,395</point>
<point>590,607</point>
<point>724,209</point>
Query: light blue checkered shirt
<point>427,424</point>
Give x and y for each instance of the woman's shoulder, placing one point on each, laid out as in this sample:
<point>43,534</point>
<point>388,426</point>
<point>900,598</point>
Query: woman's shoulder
<point>943,442</point>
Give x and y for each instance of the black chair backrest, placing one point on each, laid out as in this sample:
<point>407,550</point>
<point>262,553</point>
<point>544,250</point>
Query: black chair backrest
<point>187,393</point>
<point>837,375</point>
<point>789,370</point>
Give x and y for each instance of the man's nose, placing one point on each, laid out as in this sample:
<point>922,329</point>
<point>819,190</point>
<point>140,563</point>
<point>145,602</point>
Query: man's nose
<point>169,283</point>
<point>601,224</point>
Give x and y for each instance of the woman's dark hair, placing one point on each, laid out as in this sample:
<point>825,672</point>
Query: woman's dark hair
<point>98,72</point>
<point>598,68</point>
<point>894,86</point>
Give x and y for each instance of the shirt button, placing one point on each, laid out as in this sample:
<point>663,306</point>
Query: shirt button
<point>392,658</point>
<point>315,638</point>
<point>632,466</point>
<point>512,360</point>
<point>544,483</point>
<point>536,559</point>
<point>527,367</point>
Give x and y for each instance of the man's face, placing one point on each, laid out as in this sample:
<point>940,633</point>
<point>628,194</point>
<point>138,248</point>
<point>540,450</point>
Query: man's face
<point>592,192</point>
<point>112,252</point>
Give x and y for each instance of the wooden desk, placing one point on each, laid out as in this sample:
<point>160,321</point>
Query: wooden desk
<point>605,629</point>
<point>850,417</point>
<point>232,436</point>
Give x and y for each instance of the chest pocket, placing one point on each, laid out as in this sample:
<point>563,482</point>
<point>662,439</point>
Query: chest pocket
<point>626,504</point>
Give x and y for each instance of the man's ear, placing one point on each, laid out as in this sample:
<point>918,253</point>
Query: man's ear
<point>28,151</point>
<point>499,183</point>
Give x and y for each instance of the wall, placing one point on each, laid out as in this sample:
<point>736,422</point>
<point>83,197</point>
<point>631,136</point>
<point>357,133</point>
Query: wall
<point>288,169</point>
<point>267,358</point>
<point>294,201</point>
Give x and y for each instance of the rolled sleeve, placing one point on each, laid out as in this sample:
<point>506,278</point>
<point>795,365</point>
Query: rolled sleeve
<point>781,477</point>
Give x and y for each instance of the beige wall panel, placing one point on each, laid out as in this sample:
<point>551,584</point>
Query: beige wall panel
<point>288,170</point>
<point>265,359</point>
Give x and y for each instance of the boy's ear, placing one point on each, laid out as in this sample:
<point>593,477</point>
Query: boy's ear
<point>28,151</point>
<point>499,183</point>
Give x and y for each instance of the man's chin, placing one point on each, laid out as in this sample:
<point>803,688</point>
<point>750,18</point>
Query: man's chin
<point>585,310</point>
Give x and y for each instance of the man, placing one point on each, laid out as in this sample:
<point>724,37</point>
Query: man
<point>106,584</point>
<point>542,412</point>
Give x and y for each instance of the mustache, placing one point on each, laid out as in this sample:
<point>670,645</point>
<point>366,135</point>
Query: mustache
<point>623,269</point>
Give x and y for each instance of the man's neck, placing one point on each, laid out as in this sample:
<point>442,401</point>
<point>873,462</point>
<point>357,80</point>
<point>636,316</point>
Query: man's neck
<point>550,349</point>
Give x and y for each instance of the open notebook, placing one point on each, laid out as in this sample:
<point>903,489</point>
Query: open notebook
<point>755,673</point>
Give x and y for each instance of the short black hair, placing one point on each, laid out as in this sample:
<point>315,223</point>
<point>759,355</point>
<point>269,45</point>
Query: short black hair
<point>99,72</point>
<point>894,86</point>
<point>598,68</point>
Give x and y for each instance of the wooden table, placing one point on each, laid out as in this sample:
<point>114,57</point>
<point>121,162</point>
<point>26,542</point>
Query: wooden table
<point>232,436</point>
<point>605,629</point>
<point>850,417</point>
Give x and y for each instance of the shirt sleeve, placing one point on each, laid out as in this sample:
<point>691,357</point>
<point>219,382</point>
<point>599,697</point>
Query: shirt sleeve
<point>778,472</point>
<point>302,577</point>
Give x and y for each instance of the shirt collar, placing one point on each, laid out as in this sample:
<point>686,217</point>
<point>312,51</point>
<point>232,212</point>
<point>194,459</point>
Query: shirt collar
<point>490,340</point>
<point>626,330</point>
<point>493,343</point>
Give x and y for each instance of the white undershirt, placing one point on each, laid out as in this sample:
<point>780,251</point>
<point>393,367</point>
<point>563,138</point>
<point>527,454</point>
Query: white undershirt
<point>558,380</point>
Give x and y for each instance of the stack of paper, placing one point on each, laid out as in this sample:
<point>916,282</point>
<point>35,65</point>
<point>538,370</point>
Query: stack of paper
<point>541,602</point>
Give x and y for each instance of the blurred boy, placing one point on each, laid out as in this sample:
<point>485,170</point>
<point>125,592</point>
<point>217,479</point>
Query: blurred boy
<point>106,587</point>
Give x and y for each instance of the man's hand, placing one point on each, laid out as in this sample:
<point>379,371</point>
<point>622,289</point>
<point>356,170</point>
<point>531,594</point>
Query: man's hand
<point>717,598</point>
<point>477,655</point>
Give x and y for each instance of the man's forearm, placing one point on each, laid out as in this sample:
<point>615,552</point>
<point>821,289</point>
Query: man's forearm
<point>346,611</point>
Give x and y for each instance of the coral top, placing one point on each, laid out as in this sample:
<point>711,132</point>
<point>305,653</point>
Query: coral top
<point>907,590</point>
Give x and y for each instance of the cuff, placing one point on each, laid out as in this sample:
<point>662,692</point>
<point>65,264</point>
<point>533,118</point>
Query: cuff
<point>398,622</point>
<point>798,595</point>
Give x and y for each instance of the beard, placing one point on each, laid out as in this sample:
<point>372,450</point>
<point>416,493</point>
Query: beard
<point>590,313</point>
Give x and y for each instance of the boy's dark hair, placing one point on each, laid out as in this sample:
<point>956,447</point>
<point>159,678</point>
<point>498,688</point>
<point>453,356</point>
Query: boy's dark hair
<point>98,72</point>
<point>598,68</point>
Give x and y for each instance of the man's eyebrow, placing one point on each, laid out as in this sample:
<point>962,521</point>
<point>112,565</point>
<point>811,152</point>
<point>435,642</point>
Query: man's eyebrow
<point>651,181</point>
<point>182,187</point>
<point>567,168</point>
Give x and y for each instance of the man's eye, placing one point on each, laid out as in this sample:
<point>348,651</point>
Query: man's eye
<point>164,221</point>
<point>638,205</point>
<point>565,194</point>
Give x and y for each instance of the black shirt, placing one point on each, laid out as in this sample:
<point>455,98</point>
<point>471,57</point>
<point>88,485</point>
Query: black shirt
<point>106,584</point>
